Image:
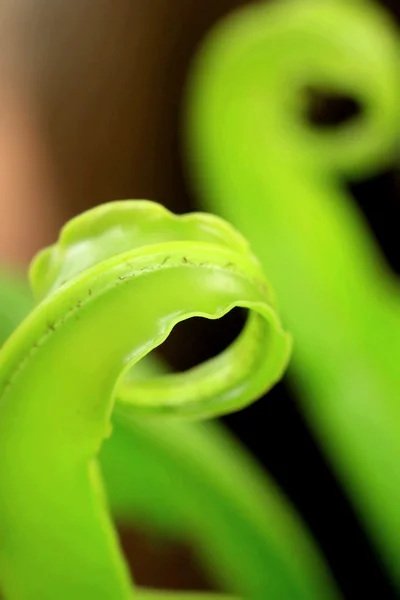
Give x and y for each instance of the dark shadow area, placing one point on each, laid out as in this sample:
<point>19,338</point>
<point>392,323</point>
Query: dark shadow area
<point>163,564</point>
<point>379,199</point>
<point>196,340</point>
<point>326,109</point>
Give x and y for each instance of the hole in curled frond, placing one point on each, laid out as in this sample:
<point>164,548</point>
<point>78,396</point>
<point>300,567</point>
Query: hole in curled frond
<point>326,108</point>
<point>196,340</point>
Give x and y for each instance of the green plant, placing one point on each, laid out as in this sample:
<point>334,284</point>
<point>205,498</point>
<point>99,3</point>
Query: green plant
<point>15,301</point>
<point>112,288</point>
<point>258,162</point>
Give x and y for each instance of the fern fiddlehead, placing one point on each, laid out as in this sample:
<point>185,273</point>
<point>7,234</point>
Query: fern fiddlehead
<point>111,289</point>
<point>259,163</point>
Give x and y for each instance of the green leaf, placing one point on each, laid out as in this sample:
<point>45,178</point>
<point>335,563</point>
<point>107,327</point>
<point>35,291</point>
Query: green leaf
<point>257,162</point>
<point>110,292</point>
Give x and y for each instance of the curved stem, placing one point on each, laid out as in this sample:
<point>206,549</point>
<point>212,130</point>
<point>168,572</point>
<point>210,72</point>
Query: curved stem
<point>277,178</point>
<point>119,279</point>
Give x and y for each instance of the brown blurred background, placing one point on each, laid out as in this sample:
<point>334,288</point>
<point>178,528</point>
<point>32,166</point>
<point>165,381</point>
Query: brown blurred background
<point>90,105</point>
<point>94,90</point>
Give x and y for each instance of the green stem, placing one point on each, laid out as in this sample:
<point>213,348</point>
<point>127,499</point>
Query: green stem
<point>262,166</point>
<point>114,286</point>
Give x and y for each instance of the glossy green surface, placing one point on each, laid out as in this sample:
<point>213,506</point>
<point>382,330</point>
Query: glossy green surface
<point>119,278</point>
<point>259,163</point>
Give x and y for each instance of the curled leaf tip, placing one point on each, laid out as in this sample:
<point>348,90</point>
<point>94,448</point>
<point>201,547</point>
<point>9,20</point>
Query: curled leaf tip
<point>122,226</point>
<point>113,287</point>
